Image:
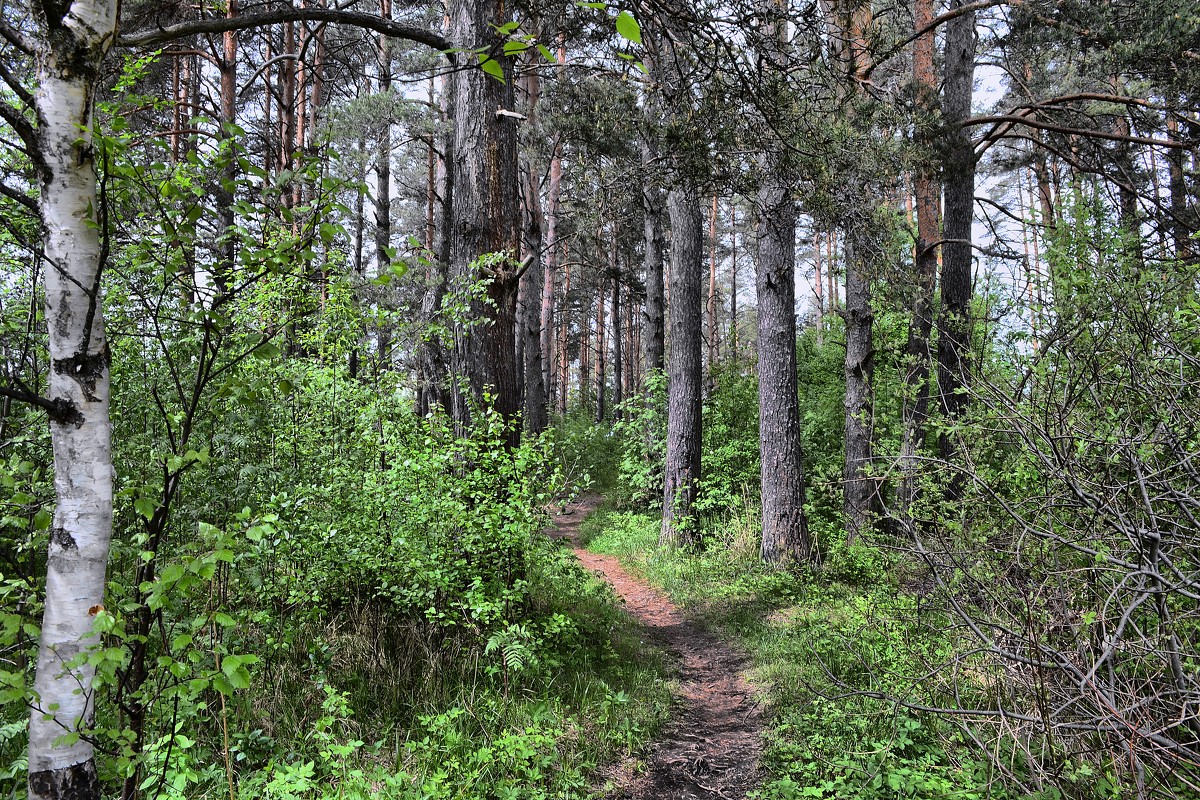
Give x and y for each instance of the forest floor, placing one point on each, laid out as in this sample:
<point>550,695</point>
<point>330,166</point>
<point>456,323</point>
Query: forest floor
<point>711,745</point>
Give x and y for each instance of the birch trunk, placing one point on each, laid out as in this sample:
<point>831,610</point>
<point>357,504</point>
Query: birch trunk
<point>80,430</point>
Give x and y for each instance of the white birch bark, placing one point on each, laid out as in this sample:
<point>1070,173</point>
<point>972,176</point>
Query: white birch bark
<point>75,39</point>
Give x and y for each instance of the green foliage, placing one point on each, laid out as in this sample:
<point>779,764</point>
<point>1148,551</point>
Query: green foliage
<point>730,462</point>
<point>815,641</point>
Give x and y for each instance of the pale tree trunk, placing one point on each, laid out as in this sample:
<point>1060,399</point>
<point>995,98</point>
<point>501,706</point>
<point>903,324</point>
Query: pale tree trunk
<point>73,47</point>
<point>549,275</point>
<point>684,375</point>
<point>954,321</point>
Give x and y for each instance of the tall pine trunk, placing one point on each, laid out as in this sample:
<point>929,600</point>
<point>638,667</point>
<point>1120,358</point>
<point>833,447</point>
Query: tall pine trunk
<point>918,356</point>
<point>486,214</point>
<point>784,527</point>
<point>860,499</point>
<point>684,376</point>
<point>954,321</point>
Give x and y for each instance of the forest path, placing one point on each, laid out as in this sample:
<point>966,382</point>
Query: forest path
<point>710,746</point>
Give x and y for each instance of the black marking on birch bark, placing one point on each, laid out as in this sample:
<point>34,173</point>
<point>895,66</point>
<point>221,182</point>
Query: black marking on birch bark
<point>63,411</point>
<point>60,537</point>
<point>76,782</point>
<point>85,369</point>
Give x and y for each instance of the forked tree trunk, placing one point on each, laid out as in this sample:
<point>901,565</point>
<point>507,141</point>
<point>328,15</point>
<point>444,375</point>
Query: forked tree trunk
<point>682,475</point>
<point>73,47</point>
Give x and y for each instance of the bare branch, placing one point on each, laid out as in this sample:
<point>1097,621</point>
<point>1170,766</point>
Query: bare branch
<point>20,197</point>
<point>17,39</point>
<point>1004,121</point>
<point>156,36</point>
<point>61,410</point>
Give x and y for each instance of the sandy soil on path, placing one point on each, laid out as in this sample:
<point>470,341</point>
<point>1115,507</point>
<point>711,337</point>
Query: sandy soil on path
<point>710,746</point>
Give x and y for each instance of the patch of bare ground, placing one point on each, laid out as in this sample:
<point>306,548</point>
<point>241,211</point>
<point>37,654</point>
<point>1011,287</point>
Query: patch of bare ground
<point>710,746</point>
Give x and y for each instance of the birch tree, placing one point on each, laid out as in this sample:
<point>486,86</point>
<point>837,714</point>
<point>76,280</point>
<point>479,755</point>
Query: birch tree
<point>69,43</point>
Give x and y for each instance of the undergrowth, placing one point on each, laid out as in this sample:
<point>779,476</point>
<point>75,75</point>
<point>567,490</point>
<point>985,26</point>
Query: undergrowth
<point>826,648</point>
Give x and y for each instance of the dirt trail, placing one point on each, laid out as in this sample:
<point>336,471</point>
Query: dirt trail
<point>710,746</point>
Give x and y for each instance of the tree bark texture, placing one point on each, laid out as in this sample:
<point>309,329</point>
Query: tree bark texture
<point>532,285</point>
<point>710,310</point>
<point>73,47</point>
<point>486,215</point>
<point>954,321</point>
<point>652,264</point>
<point>784,527</point>
<point>918,356</point>
<point>618,335</point>
<point>860,491</point>
<point>602,347</point>
<point>684,378</point>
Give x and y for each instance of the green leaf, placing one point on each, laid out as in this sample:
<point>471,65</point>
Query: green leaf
<point>172,573</point>
<point>628,27</point>
<point>267,350</point>
<point>492,67</point>
<point>222,685</point>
